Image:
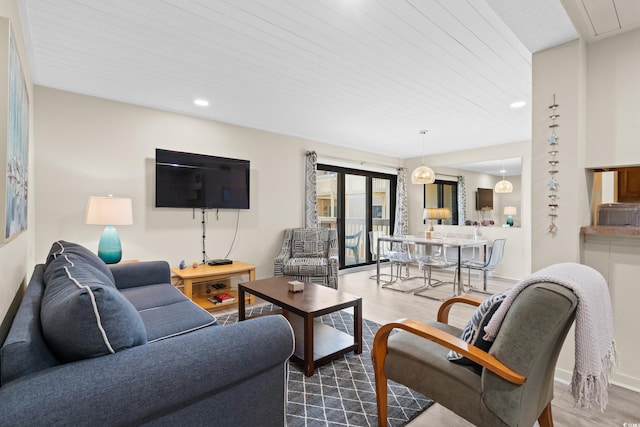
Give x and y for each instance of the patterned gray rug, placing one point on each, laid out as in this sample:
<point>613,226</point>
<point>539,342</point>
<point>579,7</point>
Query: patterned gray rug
<point>342,393</point>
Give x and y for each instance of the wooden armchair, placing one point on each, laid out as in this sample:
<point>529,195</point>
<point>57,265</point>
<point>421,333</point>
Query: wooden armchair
<point>513,384</point>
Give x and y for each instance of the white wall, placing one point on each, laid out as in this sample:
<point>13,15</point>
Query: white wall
<point>597,90</point>
<point>90,146</point>
<point>14,255</point>
<point>560,71</point>
<point>613,95</point>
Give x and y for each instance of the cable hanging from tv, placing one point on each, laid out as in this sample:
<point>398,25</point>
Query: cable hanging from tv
<point>205,257</point>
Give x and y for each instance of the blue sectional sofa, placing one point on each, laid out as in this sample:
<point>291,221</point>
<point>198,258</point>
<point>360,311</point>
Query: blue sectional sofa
<point>93,344</point>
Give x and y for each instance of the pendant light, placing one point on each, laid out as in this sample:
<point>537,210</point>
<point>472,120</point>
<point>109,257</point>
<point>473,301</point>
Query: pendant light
<point>503,186</point>
<point>423,174</point>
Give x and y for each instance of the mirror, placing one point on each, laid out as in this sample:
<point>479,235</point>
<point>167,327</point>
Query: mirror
<point>483,174</point>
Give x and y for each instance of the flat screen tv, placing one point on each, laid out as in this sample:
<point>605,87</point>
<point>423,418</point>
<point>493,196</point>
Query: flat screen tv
<point>484,199</point>
<point>188,180</point>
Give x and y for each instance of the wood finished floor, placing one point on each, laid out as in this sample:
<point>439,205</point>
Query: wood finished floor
<point>384,305</point>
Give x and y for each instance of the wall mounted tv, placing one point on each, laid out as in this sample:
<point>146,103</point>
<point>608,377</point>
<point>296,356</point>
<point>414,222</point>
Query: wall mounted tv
<point>484,199</point>
<point>188,180</point>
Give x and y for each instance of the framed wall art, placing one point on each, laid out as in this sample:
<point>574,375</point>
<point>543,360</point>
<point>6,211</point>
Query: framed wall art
<point>14,137</point>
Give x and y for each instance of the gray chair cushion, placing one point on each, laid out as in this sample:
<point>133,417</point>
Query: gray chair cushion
<point>422,365</point>
<point>82,313</point>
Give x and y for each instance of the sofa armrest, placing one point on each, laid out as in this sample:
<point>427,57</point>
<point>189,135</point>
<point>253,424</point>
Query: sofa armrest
<point>148,382</point>
<point>281,260</point>
<point>132,274</point>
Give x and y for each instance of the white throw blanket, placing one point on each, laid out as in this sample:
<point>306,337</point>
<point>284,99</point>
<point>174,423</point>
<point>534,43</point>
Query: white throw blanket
<point>595,347</point>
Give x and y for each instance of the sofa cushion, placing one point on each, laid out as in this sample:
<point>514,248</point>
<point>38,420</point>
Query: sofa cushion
<point>175,319</point>
<point>473,333</point>
<point>152,296</point>
<point>82,313</point>
<point>307,243</point>
<point>167,312</point>
<point>79,254</point>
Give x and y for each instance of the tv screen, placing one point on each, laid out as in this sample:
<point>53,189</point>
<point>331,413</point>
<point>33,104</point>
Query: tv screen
<point>188,180</point>
<point>484,199</point>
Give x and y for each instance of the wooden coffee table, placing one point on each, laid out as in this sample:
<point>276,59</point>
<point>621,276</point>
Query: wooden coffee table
<point>316,343</point>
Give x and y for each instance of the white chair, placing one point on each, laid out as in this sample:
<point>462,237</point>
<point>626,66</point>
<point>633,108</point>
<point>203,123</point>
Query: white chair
<point>399,255</point>
<point>435,256</point>
<point>386,254</point>
<point>492,262</point>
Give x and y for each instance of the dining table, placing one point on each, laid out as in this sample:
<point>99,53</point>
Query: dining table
<point>458,243</point>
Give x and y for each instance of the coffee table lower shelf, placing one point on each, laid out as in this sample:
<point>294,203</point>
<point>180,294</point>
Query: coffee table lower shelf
<point>328,342</point>
<point>315,342</point>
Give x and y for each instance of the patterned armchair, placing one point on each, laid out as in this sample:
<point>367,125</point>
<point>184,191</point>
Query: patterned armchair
<point>309,254</point>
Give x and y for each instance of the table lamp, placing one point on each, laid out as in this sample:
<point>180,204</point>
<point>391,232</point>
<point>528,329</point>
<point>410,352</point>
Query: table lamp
<point>509,211</point>
<point>435,213</point>
<point>109,211</point>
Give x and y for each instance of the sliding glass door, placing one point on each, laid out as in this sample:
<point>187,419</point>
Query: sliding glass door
<point>355,202</point>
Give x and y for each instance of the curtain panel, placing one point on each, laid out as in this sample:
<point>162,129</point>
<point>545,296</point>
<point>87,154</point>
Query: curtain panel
<point>311,201</point>
<point>462,200</point>
<point>401,225</point>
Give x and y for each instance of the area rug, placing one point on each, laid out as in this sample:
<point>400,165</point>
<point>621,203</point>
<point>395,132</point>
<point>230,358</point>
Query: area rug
<point>342,393</point>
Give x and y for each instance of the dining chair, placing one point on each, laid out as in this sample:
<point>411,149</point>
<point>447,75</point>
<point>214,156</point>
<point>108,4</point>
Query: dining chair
<point>352,243</point>
<point>429,257</point>
<point>495,258</point>
<point>385,254</point>
<point>399,256</point>
<point>403,257</point>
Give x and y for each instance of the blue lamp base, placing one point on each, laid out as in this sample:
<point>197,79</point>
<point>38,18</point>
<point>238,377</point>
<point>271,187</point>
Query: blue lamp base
<point>109,247</point>
<point>510,221</point>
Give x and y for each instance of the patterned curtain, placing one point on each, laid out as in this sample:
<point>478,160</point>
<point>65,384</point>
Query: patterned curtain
<point>310,200</point>
<point>462,200</point>
<point>401,225</point>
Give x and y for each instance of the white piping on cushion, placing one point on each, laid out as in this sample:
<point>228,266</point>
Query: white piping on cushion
<point>94,306</point>
<point>57,242</point>
<point>182,332</point>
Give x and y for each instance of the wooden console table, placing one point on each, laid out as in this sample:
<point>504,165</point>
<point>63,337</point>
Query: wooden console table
<point>197,283</point>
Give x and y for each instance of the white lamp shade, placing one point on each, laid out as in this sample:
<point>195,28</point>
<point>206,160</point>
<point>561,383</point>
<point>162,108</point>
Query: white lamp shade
<point>423,175</point>
<point>503,186</point>
<point>109,211</point>
<point>436,213</point>
<point>510,210</point>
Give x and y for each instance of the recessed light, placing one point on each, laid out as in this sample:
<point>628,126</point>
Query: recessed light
<point>201,102</point>
<point>518,104</point>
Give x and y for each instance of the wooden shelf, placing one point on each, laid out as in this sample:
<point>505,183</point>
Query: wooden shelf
<point>195,282</point>
<point>203,299</point>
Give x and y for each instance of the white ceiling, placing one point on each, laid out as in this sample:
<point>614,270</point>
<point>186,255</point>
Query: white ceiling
<point>511,167</point>
<point>365,74</point>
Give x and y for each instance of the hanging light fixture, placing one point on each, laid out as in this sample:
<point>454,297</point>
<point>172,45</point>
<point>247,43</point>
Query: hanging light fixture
<point>503,186</point>
<point>423,174</point>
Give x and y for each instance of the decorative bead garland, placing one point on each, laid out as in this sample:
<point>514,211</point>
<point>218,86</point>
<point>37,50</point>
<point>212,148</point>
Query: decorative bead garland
<point>553,163</point>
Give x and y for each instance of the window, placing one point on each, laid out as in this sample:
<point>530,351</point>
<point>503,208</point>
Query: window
<point>355,202</point>
<point>443,194</point>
